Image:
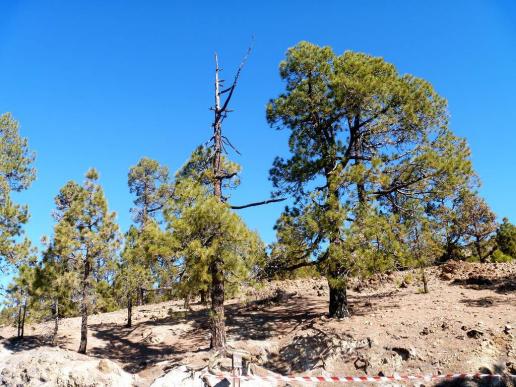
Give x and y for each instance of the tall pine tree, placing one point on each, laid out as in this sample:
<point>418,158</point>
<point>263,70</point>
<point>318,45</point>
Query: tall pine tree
<point>363,138</point>
<point>206,232</point>
<point>147,252</point>
<point>16,174</point>
<point>86,235</point>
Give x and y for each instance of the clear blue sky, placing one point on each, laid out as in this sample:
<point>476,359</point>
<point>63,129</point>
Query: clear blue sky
<point>103,83</point>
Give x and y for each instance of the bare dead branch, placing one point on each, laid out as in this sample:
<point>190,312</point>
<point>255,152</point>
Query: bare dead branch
<point>231,89</point>
<point>226,140</point>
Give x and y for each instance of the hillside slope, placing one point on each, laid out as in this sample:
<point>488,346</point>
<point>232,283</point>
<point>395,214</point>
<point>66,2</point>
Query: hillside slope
<point>467,322</point>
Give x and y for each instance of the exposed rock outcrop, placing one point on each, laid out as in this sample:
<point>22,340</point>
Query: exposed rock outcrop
<point>48,366</point>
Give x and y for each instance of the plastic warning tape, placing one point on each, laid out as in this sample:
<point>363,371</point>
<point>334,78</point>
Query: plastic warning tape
<point>347,379</point>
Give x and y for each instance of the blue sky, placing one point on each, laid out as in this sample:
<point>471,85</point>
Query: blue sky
<point>103,83</point>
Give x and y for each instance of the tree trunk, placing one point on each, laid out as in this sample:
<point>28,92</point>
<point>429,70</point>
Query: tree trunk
<point>84,308</point>
<point>203,296</point>
<point>129,310</point>
<point>337,281</point>
<point>478,247</point>
<point>56,322</point>
<point>142,296</point>
<point>218,329</point>
<point>425,280</point>
<point>186,302</point>
<point>338,299</point>
<point>23,318</point>
<point>18,334</point>
<point>218,332</point>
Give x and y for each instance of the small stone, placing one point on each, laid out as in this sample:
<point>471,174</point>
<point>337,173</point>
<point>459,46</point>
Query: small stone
<point>106,366</point>
<point>507,329</point>
<point>446,276</point>
<point>474,334</point>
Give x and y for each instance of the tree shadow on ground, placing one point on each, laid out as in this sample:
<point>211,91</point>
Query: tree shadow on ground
<point>258,321</point>
<point>505,381</point>
<point>18,344</point>
<point>486,302</point>
<point>26,343</point>
<point>137,356</point>
<point>310,351</point>
<point>501,285</point>
<point>362,305</point>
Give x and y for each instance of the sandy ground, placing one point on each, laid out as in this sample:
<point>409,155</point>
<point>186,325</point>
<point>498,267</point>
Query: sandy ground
<point>467,322</point>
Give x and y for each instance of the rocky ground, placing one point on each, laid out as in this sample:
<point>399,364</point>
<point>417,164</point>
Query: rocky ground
<point>467,323</point>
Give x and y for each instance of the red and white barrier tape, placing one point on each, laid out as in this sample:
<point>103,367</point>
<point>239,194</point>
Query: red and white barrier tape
<point>347,379</point>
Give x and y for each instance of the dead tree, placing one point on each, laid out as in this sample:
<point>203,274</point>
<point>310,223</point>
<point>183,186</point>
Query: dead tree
<point>218,143</point>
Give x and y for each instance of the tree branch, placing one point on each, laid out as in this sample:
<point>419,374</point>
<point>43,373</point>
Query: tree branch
<point>299,265</point>
<point>258,203</point>
<point>231,89</point>
<point>226,176</point>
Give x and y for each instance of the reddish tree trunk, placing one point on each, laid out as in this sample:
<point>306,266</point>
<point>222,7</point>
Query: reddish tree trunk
<point>218,331</point>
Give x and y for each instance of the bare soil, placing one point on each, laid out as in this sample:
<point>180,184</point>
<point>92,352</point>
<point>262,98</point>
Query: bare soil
<point>466,323</point>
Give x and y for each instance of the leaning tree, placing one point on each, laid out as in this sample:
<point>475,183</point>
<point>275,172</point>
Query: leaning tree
<point>363,140</point>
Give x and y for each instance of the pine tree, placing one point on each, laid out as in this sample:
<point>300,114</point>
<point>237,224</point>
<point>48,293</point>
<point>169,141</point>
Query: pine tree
<point>146,261</point>
<point>147,251</point>
<point>19,296</point>
<point>479,225</point>
<point>465,224</point>
<point>86,235</point>
<point>149,182</point>
<point>16,174</point>
<point>506,238</point>
<point>54,288</point>
<point>422,239</point>
<point>444,213</point>
<point>206,233</point>
<point>363,138</point>
<point>222,174</point>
